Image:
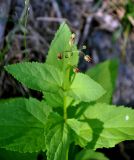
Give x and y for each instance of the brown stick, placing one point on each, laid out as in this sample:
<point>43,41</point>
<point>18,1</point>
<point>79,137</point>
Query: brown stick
<point>56,8</point>
<point>51,19</point>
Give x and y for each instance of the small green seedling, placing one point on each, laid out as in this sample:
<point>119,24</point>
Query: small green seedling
<point>75,108</point>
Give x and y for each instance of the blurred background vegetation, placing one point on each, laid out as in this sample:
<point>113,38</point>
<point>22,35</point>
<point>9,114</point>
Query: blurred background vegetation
<point>106,27</point>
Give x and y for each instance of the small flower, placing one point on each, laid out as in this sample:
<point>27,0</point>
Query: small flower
<point>59,56</point>
<point>87,58</point>
<point>76,70</point>
<point>72,39</point>
<point>73,36</point>
<point>84,47</point>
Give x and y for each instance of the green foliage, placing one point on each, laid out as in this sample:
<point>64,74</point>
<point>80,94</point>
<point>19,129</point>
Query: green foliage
<point>54,100</point>
<point>110,124</point>
<point>57,141</point>
<point>37,76</point>
<point>85,89</point>
<point>90,155</point>
<point>60,44</point>
<point>10,155</point>
<point>105,74</point>
<point>129,12</point>
<point>69,112</point>
<point>82,131</point>
<point>20,129</point>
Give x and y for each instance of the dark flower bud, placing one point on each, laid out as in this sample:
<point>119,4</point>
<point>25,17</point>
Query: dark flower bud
<point>60,56</point>
<point>76,70</point>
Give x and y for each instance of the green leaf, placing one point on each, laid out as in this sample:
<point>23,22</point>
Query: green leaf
<point>21,128</point>
<point>54,100</point>
<point>82,131</point>
<point>60,44</point>
<point>110,124</point>
<point>11,155</point>
<point>105,74</point>
<point>57,138</point>
<point>85,89</point>
<point>90,155</point>
<point>57,100</point>
<point>37,76</point>
<point>37,109</point>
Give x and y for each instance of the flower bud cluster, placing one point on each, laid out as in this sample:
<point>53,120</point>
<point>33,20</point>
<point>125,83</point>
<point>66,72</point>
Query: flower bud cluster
<point>87,58</point>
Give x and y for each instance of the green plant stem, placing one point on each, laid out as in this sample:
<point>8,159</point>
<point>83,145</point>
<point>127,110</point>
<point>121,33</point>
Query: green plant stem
<point>124,46</point>
<point>66,84</point>
<point>67,154</point>
<point>25,41</point>
<point>23,19</point>
<point>65,109</point>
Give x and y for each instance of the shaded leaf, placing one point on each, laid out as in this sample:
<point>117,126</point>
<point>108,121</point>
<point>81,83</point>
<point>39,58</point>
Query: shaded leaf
<point>82,131</point>
<point>11,155</point>
<point>110,124</point>
<point>105,74</point>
